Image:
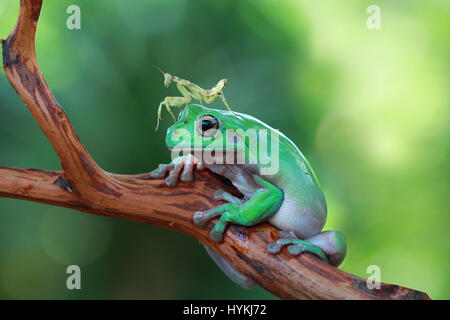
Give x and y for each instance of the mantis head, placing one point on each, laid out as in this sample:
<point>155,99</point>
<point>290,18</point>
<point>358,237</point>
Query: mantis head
<point>167,77</point>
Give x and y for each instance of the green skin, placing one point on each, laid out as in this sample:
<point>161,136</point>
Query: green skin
<point>290,199</point>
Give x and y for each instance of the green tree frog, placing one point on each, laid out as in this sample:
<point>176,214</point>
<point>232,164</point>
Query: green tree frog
<point>277,182</point>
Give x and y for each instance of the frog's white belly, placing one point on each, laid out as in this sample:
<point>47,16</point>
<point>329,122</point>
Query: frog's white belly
<point>296,218</point>
<point>291,216</point>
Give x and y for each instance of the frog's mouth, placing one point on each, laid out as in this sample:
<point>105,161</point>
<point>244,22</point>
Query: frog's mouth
<point>201,152</point>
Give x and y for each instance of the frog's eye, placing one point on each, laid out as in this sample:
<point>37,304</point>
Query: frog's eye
<point>207,125</point>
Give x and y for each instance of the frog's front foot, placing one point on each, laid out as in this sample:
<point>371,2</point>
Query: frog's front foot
<point>258,208</point>
<point>227,212</point>
<point>295,246</point>
<point>180,169</point>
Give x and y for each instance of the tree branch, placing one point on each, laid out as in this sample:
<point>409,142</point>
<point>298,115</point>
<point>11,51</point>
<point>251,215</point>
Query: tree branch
<point>84,186</point>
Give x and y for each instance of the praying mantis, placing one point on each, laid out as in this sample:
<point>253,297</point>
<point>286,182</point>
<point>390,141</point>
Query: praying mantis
<point>188,91</point>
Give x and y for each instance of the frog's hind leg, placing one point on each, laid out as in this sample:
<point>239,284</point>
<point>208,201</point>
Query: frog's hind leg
<point>296,246</point>
<point>333,244</point>
<point>330,245</point>
<point>231,272</point>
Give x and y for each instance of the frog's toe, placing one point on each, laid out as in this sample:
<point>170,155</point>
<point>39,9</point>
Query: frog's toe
<point>188,172</point>
<point>274,247</point>
<point>171,181</point>
<point>218,195</point>
<point>161,171</point>
<point>295,249</point>
<point>187,177</point>
<point>157,173</point>
<point>215,235</point>
<point>199,219</point>
<point>174,173</point>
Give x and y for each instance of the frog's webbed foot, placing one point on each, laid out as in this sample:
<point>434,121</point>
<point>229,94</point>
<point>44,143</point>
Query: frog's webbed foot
<point>226,212</point>
<point>295,246</point>
<point>180,169</point>
<point>264,203</point>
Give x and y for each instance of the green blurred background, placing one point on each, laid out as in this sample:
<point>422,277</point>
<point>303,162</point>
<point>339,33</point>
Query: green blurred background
<point>368,108</point>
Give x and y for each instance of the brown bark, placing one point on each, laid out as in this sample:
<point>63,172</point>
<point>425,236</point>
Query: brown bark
<point>84,186</point>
